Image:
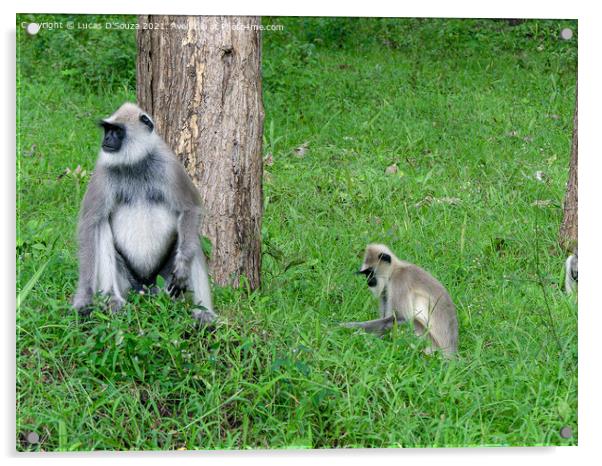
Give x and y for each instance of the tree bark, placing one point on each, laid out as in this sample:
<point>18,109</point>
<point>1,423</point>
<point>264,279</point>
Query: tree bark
<point>200,78</point>
<point>569,226</point>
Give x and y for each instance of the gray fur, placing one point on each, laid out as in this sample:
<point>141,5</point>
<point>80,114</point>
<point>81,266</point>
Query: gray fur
<point>571,273</point>
<point>376,326</point>
<point>407,292</point>
<point>140,193</point>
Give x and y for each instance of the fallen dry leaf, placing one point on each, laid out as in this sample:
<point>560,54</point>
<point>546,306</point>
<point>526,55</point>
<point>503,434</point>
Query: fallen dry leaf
<point>269,160</point>
<point>301,150</point>
<point>391,169</point>
<point>78,172</point>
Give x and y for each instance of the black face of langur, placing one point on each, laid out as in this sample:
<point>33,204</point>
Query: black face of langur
<point>114,136</point>
<point>370,273</point>
<point>115,133</point>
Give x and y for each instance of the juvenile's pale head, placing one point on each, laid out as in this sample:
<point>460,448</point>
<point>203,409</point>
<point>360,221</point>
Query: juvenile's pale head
<point>129,135</point>
<point>377,267</point>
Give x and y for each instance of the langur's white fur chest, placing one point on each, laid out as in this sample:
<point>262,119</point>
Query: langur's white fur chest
<point>145,231</point>
<point>381,284</point>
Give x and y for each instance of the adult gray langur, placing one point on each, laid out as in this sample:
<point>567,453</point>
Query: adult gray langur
<point>139,219</point>
<point>408,293</point>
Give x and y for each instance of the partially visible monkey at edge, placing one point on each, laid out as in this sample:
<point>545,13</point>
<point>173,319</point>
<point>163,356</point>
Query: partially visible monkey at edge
<point>408,293</point>
<point>571,273</point>
<point>140,218</point>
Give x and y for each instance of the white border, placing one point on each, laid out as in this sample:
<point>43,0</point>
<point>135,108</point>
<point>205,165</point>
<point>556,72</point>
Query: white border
<point>427,8</point>
<point>590,312</point>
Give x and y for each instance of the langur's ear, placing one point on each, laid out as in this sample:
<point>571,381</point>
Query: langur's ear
<point>147,121</point>
<point>384,257</point>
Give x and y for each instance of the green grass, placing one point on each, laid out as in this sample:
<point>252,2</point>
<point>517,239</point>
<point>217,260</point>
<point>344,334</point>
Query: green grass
<point>468,110</point>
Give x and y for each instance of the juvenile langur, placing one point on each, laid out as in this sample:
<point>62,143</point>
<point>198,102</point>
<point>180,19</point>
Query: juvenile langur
<point>139,219</point>
<point>408,293</point>
<point>570,273</point>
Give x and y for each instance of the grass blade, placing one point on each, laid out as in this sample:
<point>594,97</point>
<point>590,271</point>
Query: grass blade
<point>30,284</point>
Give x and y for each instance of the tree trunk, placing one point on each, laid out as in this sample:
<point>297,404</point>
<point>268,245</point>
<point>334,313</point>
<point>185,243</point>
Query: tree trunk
<point>200,78</point>
<point>568,228</point>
